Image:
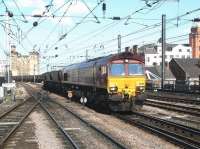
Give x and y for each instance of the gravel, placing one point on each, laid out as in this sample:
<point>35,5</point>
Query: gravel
<point>85,136</point>
<point>127,134</point>
<point>37,132</point>
<point>44,135</point>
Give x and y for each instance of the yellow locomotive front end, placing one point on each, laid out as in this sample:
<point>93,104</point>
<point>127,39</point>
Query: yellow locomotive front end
<point>126,84</point>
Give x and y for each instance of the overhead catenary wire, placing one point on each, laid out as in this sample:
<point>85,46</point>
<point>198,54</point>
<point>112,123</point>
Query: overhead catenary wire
<point>97,33</point>
<point>143,29</point>
<point>18,28</point>
<point>48,7</point>
<point>75,26</point>
<point>12,37</point>
<point>158,25</point>
<point>139,10</point>
<point>22,14</point>
<point>54,28</point>
<point>91,11</point>
<point>127,18</point>
<point>133,39</point>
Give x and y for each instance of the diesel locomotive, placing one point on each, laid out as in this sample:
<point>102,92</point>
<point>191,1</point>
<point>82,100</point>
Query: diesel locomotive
<point>117,80</point>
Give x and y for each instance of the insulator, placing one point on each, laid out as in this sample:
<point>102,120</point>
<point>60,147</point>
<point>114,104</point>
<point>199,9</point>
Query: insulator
<point>104,6</point>
<point>116,18</point>
<point>37,15</point>
<point>196,19</point>
<point>10,14</point>
<point>35,23</point>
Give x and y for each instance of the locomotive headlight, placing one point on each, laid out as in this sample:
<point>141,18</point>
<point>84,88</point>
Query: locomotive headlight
<point>140,88</point>
<point>113,88</point>
<point>126,60</point>
<point>139,84</point>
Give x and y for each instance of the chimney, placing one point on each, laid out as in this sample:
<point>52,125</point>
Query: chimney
<point>13,48</point>
<point>127,49</point>
<point>135,49</point>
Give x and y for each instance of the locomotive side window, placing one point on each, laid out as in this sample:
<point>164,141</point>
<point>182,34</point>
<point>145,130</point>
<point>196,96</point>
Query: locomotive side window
<point>51,77</point>
<point>117,69</point>
<point>59,76</point>
<point>103,69</point>
<point>135,69</point>
<point>65,76</point>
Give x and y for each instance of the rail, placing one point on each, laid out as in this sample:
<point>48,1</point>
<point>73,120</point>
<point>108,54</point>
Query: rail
<point>17,114</point>
<point>181,135</point>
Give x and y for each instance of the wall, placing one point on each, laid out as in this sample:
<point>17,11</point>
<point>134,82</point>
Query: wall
<point>24,64</point>
<point>194,39</point>
<point>179,51</point>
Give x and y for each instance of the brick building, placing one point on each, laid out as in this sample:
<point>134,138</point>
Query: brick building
<point>24,64</point>
<point>194,39</point>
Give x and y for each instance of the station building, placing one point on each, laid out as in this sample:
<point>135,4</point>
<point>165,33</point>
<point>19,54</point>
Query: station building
<point>153,53</point>
<point>22,65</point>
<point>187,73</point>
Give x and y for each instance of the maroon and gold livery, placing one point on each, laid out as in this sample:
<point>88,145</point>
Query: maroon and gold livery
<point>117,80</point>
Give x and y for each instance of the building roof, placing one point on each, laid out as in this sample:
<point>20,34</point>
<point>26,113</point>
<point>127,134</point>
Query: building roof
<point>186,45</point>
<point>152,48</point>
<point>152,69</point>
<point>157,71</point>
<point>168,74</point>
<point>169,47</point>
<point>148,49</point>
<point>190,66</point>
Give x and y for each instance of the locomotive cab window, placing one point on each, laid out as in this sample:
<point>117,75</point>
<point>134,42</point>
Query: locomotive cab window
<point>117,70</point>
<point>135,69</point>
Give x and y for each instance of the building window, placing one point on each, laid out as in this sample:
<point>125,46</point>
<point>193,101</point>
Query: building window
<point>155,57</point>
<point>154,63</point>
<point>177,56</point>
<point>183,56</point>
<point>180,50</point>
<point>148,59</point>
<point>188,50</point>
<point>171,56</point>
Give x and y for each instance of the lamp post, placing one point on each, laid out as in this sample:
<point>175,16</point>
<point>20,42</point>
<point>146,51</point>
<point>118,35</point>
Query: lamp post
<point>34,73</point>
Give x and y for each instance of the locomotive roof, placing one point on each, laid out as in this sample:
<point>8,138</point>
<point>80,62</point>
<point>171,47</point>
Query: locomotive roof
<point>106,59</point>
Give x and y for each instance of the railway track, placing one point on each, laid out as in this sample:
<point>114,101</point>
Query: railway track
<point>13,118</point>
<point>174,107</point>
<point>173,99</point>
<point>80,139</point>
<point>61,116</point>
<point>181,135</point>
<point>184,136</point>
<point>60,127</point>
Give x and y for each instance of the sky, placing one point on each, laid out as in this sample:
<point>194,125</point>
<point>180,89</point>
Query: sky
<point>68,28</point>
